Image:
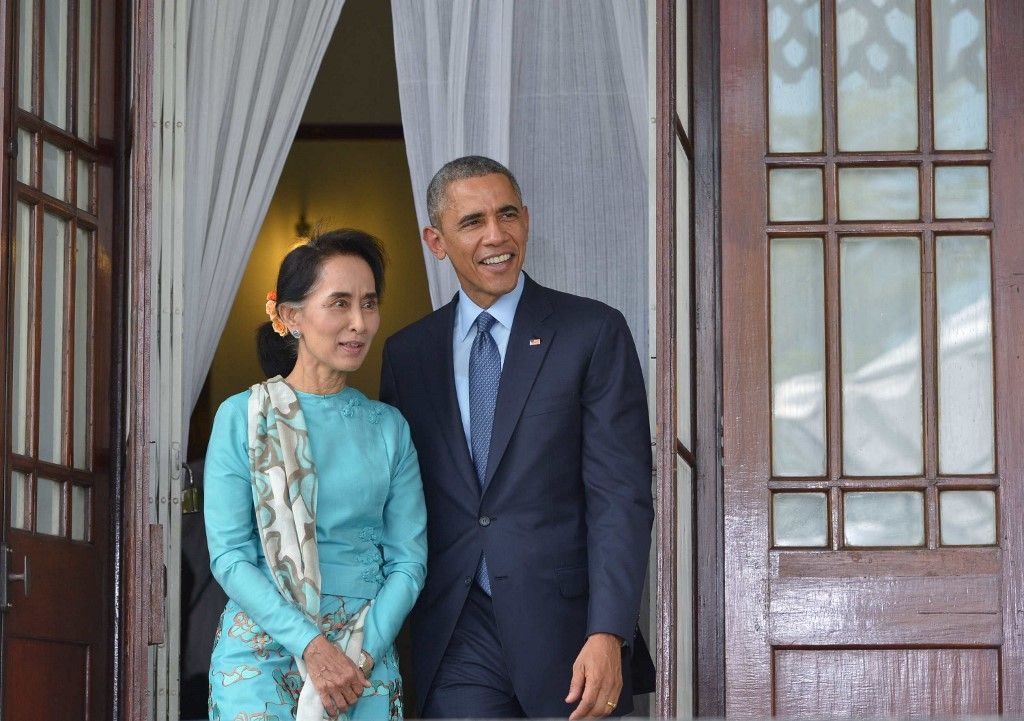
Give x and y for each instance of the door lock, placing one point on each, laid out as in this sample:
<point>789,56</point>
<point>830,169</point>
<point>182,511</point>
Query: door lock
<point>6,576</point>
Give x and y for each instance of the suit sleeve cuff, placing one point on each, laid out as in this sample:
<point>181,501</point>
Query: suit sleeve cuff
<point>622,629</point>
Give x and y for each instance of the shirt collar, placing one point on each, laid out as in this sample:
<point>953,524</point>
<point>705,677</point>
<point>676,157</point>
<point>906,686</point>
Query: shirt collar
<point>503,310</point>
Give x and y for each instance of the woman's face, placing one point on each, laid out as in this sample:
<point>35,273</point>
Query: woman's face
<point>339,317</point>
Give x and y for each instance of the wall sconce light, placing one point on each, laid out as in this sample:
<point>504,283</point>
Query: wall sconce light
<point>302,228</point>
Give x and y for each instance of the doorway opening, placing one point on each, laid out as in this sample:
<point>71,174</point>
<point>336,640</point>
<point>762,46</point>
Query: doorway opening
<point>346,168</point>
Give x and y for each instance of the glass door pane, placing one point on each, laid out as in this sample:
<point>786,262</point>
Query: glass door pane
<point>798,356</point>
<point>880,285</point>
<point>26,65</point>
<point>22,330</point>
<point>885,518</point>
<point>967,518</point>
<point>84,110</point>
<point>794,76</point>
<point>52,346</point>
<point>876,43</point>
<point>966,412</point>
<point>55,63</point>
<point>81,418</point>
<point>959,74</point>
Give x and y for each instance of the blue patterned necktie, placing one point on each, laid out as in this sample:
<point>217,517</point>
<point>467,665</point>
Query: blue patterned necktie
<point>484,374</point>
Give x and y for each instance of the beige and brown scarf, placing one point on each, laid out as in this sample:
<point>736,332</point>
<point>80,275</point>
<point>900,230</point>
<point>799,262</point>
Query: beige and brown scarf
<point>284,491</point>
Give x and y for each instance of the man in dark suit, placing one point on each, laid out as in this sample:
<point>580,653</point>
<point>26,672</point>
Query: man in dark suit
<point>528,410</point>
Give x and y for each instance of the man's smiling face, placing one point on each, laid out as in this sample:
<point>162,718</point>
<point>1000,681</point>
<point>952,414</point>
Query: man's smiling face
<point>483,229</point>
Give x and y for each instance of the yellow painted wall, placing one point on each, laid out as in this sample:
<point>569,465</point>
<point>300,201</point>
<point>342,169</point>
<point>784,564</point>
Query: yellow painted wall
<point>345,183</point>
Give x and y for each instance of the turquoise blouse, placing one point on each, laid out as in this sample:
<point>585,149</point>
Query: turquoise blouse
<point>370,522</point>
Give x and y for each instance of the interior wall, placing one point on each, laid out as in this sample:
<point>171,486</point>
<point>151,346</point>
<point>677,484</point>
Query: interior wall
<point>340,183</point>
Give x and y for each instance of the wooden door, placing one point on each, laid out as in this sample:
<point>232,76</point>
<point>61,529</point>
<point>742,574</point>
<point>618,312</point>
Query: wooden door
<point>60,117</point>
<point>872,176</point>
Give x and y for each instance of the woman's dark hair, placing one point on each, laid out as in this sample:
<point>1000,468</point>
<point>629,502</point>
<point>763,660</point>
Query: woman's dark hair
<point>299,272</point>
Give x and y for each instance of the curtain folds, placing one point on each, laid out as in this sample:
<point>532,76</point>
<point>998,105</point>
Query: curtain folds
<point>251,65</point>
<point>558,92</point>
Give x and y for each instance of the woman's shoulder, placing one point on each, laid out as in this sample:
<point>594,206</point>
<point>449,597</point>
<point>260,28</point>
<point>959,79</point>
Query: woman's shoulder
<point>230,425</point>
<point>236,404</point>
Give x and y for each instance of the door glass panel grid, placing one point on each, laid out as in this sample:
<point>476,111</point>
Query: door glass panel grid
<point>940,294</point>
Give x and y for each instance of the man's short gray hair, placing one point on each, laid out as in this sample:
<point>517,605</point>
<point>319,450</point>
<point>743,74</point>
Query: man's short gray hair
<point>469,166</point>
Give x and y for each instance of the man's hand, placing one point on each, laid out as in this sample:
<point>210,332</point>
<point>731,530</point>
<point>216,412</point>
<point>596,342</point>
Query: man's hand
<point>596,677</point>
<point>339,682</point>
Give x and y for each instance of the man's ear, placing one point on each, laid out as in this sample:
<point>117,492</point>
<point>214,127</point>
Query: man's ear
<point>433,240</point>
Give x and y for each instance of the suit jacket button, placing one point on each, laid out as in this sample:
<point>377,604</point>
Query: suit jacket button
<point>485,520</point>
<point>469,580</point>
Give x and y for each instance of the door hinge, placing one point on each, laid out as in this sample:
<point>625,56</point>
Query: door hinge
<point>721,440</point>
<point>5,553</point>
<point>12,147</point>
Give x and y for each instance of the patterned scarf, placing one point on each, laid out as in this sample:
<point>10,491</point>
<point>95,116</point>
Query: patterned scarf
<point>284,491</point>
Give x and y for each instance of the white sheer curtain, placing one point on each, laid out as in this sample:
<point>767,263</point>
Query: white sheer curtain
<point>251,64</point>
<point>558,92</point>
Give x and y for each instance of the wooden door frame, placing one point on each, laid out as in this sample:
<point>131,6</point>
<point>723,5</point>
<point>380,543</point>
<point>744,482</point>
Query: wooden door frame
<point>707,533</point>
<point>6,115</point>
<point>1005,108</point>
<point>139,561</point>
<point>709,541</point>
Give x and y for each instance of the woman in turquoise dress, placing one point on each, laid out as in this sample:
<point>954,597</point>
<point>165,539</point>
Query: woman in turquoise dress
<point>314,507</point>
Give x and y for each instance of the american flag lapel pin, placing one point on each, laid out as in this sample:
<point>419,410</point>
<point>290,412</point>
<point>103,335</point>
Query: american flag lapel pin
<point>534,341</point>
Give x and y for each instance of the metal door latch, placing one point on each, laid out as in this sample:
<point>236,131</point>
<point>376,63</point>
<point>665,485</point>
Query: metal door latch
<point>6,576</point>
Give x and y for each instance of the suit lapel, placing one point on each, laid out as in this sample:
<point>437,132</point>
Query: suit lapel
<point>523,360</point>
<point>446,402</point>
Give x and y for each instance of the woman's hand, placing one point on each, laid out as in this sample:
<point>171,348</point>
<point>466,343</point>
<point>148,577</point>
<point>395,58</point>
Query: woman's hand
<point>339,682</point>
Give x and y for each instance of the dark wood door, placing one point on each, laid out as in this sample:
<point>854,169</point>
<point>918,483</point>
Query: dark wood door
<point>872,171</point>
<point>60,116</point>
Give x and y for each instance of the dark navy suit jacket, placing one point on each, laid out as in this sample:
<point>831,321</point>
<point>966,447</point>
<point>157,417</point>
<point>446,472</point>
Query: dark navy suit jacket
<point>565,515</point>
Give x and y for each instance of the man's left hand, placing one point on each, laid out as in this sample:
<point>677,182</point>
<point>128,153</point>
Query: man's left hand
<point>596,677</point>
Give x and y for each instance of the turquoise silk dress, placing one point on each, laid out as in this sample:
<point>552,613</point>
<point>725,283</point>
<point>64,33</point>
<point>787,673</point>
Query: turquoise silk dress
<point>371,538</point>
